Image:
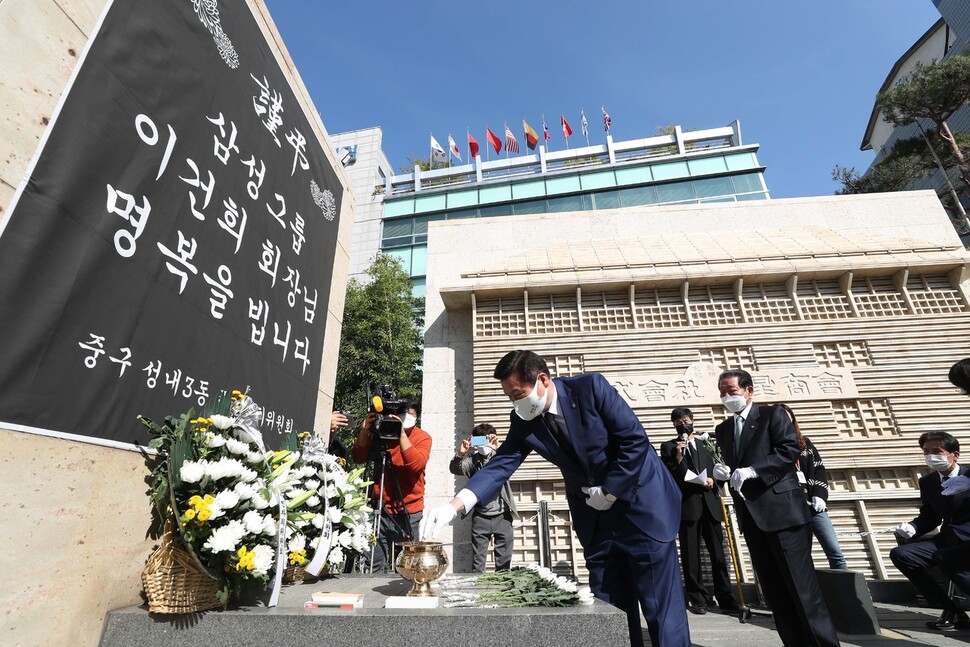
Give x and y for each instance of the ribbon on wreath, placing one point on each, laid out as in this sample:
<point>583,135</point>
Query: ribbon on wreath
<point>314,451</point>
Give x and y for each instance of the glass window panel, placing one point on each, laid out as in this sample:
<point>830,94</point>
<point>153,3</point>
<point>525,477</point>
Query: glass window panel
<point>421,224</point>
<point>722,199</point>
<point>626,176</point>
<point>396,242</point>
<point>753,196</point>
<point>599,180</point>
<point>402,227</point>
<point>740,161</point>
<point>463,213</point>
<point>398,207</point>
<point>419,290</point>
<point>748,182</point>
<point>637,196</point>
<point>562,185</point>
<point>462,199</point>
<point>404,255</point>
<point>419,260</point>
<point>675,192</point>
<point>528,190</point>
<point>496,210</point>
<point>530,206</point>
<point>429,203</point>
<point>495,194</point>
<point>606,200</point>
<point>566,203</point>
<point>714,186</point>
<point>670,170</point>
<point>707,165</point>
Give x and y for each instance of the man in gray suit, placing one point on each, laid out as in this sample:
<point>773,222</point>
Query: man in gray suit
<point>491,519</point>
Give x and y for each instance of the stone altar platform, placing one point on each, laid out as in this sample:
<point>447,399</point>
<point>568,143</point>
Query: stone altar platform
<point>290,624</point>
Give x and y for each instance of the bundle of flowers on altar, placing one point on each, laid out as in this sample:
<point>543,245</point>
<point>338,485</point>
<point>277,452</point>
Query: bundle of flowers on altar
<point>329,516</point>
<point>531,586</point>
<point>216,483</point>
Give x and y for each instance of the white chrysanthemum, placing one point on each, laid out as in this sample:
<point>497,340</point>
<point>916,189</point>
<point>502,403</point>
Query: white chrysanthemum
<point>192,471</point>
<point>245,490</point>
<point>259,501</point>
<point>336,555</point>
<point>335,514</point>
<point>270,527</point>
<point>585,595</point>
<point>344,539</point>
<point>298,542</point>
<point>247,475</point>
<point>214,441</point>
<point>226,500</point>
<point>254,522</point>
<point>313,502</point>
<point>224,468</point>
<point>263,560</point>
<point>307,471</point>
<point>312,484</point>
<point>221,422</point>
<point>332,491</point>
<point>254,457</point>
<point>226,538</point>
<point>318,521</point>
<point>237,447</point>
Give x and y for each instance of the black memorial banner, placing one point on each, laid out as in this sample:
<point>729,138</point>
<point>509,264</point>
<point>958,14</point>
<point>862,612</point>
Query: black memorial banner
<point>175,236</point>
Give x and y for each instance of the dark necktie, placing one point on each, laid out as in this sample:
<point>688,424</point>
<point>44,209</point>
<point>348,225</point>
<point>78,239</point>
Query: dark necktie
<point>560,435</point>
<point>689,455</point>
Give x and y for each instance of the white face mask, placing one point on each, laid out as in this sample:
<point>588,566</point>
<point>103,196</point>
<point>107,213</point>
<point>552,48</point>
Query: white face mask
<point>938,462</point>
<point>734,403</point>
<point>531,405</point>
<point>409,421</point>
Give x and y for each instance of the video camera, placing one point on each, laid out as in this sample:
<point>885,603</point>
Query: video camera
<point>383,403</point>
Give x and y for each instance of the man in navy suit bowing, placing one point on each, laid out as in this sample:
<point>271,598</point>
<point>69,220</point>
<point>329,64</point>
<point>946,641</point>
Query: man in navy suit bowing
<point>760,448</point>
<point>945,503</point>
<point>624,503</point>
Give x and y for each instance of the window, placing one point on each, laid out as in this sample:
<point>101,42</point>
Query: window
<point>566,203</point>
<point>605,200</point>
<point>713,187</point>
<point>637,196</point>
<point>676,192</point>
<point>748,182</point>
<point>529,206</point>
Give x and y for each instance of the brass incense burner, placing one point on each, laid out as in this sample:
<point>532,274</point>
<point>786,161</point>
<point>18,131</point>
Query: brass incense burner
<point>422,562</point>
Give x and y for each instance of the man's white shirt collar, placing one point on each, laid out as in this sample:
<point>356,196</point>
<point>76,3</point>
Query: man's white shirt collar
<point>954,472</point>
<point>745,411</point>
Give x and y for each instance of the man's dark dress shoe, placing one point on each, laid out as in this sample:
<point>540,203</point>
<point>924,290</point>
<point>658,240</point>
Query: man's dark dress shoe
<point>699,609</point>
<point>729,606</point>
<point>949,621</point>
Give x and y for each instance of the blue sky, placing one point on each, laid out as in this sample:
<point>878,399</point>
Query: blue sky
<point>800,75</point>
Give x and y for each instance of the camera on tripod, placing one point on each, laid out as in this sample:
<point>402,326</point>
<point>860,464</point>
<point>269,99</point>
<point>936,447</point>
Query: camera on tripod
<point>383,403</point>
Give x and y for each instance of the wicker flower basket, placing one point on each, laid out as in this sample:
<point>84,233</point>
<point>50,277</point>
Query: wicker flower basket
<point>294,574</point>
<point>175,582</point>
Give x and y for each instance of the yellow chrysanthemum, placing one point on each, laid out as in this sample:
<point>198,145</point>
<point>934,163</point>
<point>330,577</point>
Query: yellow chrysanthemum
<point>209,499</point>
<point>195,500</point>
<point>190,513</point>
<point>204,514</point>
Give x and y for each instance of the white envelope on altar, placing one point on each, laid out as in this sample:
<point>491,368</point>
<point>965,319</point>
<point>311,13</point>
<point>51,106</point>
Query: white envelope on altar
<point>700,479</point>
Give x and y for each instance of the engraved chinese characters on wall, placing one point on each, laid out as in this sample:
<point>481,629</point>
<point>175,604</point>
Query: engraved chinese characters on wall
<point>698,385</point>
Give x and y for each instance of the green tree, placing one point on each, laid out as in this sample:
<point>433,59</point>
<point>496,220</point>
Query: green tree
<point>426,164</point>
<point>933,92</point>
<point>381,340</point>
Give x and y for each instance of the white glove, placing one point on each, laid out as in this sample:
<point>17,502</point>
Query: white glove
<point>741,475</point>
<point>435,520</point>
<point>596,498</point>
<point>956,485</point>
<point>906,530</point>
<point>721,472</point>
<point>818,504</point>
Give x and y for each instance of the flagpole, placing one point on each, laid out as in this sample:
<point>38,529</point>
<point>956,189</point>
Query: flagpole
<point>506,141</point>
<point>487,142</point>
<point>449,150</point>
<point>584,124</point>
<point>430,154</point>
<point>562,127</point>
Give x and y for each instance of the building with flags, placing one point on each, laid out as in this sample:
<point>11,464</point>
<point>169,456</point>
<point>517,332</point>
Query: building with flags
<point>712,165</point>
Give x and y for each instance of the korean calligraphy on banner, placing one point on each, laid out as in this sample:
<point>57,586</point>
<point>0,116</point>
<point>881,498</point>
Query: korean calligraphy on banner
<point>698,385</point>
<point>175,236</point>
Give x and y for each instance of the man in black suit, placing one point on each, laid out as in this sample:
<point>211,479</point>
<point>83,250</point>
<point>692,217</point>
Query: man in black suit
<point>946,503</point>
<point>760,448</point>
<point>700,515</point>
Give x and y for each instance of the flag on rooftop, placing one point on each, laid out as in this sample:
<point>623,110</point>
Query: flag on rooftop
<point>531,137</point>
<point>438,154</point>
<point>472,146</point>
<point>584,123</point>
<point>453,147</point>
<point>511,145</point>
<point>545,129</point>
<point>493,140</point>
<point>607,122</point>
<point>566,130</point>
